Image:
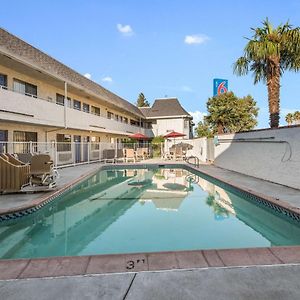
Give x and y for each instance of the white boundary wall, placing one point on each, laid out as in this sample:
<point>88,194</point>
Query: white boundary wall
<point>272,155</point>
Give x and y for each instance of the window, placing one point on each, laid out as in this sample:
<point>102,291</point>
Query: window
<point>125,120</point>
<point>134,123</point>
<point>85,107</point>
<point>95,140</point>
<point>121,119</point>
<point>25,88</point>
<point>3,140</point>
<point>23,139</point>
<point>186,123</point>
<point>3,81</point>
<point>110,115</point>
<point>76,104</point>
<point>95,110</point>
<point>117,117</point>
<point>63,142</point>
<point>60,100</point>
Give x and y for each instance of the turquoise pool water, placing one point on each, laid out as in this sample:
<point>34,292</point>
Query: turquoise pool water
<point>145,210</point>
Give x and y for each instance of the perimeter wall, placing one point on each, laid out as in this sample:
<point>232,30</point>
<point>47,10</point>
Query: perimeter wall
<point>269,154</point>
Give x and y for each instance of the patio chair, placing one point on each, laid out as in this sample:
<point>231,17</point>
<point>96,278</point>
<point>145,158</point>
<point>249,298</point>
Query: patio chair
<point>12,159</point>
<point>142,153</point>
<point>130,155</point>
<point>24,157</point>
<point>12,177</point>
<point>42,173</point>
<point>109,155</point>
<point>179,154</point>
<point>120,157</point>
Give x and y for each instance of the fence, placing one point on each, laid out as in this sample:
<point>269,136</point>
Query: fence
<point>73,153</point>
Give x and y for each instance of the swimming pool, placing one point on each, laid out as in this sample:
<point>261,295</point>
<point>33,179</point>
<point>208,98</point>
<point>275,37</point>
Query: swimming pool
<point>145,210</point>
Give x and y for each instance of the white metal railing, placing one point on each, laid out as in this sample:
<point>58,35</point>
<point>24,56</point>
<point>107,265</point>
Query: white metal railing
<point>50,100</point>
<point>74,153</point>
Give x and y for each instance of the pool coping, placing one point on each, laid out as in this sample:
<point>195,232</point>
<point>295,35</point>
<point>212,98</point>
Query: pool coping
<point>143,262</point>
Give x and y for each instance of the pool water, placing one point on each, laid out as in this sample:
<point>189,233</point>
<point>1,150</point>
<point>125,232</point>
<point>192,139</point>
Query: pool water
<point>145,210</point>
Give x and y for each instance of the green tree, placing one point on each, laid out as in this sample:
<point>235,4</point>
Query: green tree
<point>228,113</point>
<point>297,116</point>
<point>142,101</point>
<point>289,118</point>
<point>203,130</point>
<point>157,146</point>
<point>268,54</point>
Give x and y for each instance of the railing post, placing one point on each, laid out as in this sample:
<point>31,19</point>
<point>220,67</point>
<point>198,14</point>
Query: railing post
<point>88,150</point>
<point>55,153</point>
<point>30,147</point>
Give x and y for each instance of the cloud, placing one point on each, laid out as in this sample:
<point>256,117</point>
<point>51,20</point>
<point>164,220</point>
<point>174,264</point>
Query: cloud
<point>186,88</point>
<point>197,116</point>
<point>107,79</point>
<point>126,30</point>
<point>87,75</point>
<point>196,39</point>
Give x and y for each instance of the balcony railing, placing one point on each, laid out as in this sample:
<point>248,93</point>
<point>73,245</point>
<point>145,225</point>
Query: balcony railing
<point>36,110</point>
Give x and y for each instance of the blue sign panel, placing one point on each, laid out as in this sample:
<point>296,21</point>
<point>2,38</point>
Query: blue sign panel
<point>220,86</point>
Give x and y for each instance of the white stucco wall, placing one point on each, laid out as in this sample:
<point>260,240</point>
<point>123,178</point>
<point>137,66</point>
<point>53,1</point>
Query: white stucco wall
<point>273,155</point>
<point>164,126</point>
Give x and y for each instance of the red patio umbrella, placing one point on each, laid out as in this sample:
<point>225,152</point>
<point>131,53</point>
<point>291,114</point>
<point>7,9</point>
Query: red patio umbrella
<point>174,135</point>
<point>138,136</point>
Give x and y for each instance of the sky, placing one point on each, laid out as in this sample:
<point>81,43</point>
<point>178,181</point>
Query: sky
<point>170,48</point>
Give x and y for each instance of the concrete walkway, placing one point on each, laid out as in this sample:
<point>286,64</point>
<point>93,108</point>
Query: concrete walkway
<point>263,282</point>
<point>249,183</point>
<point>67,175</point>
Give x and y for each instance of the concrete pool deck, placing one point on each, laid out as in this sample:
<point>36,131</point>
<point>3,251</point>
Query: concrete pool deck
<point>256,282</point>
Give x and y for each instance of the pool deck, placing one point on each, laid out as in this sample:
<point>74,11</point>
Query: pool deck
<point>254,273</point>
<point>254,282</point>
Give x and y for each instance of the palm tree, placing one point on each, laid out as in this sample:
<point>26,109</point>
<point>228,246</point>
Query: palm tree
<point>297,116</point>
<point>268,54</point>
<point>289,118</point>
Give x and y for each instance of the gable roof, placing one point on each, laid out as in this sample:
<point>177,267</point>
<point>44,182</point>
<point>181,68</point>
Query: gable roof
<point>166,107</point>
<point>27,54</point>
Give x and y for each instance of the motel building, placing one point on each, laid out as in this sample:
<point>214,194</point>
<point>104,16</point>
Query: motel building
<point>45,104</point>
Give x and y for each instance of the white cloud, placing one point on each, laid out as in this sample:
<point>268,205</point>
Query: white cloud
<point>107,79</point>
<point>126,30</point>
<point>87,75</point>
<point>186,88</point>
<point>196,39</point>
<point>197,116</point>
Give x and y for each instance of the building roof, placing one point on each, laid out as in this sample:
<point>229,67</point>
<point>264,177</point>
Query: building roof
<point>16,48</point>
<point>166,107</point>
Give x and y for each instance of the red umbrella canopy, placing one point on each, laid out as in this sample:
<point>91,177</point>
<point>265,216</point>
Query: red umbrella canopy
<point>138,136</point>
<point>174,134</point>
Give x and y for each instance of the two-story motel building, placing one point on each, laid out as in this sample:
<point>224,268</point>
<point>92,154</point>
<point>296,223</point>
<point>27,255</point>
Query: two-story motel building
<point>43,100</point>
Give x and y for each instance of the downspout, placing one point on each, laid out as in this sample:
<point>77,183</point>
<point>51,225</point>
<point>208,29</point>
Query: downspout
<point>65,104</point>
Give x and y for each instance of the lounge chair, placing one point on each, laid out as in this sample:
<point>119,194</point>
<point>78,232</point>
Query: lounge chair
<point>12,159</point>
<point>120,157</point>
<point>142,153</point>
<point>24,157</point>
<point>12,177</point>
<point>109,155</point>
<point>130,155</point>
<point>42,173</point>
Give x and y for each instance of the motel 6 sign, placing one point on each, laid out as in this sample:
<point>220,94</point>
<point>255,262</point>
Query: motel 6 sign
<point>220,86</point>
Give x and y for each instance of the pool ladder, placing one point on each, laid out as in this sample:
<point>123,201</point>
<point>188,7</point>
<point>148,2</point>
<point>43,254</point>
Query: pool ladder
<point>196,162</point>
